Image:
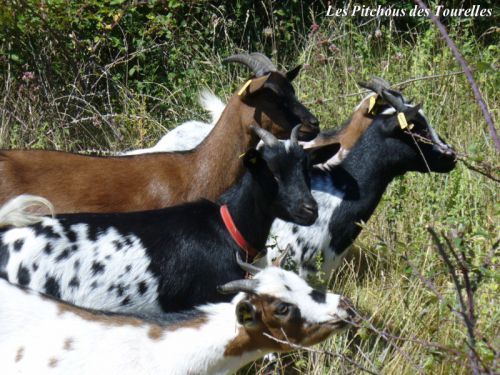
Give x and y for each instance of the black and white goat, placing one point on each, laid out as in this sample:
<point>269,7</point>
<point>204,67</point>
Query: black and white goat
<point>41,335</point>
<point>349,193</point>
<point>169,259</point>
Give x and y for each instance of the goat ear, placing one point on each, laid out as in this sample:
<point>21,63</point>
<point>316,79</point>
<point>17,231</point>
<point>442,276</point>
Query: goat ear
<point>292,74</point>
<point>411,113</point>
<point>246,314</point>
<point>392,123</point>
<point>323,139</point>
<point>252,159</point>
<point>253,85</point>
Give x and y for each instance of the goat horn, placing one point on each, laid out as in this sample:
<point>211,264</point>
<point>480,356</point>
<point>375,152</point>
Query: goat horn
<point>264,60</point>
<point>258,63</point>
<point>250,268</point>
<point>294,137</point>
<point>381,81</point>
<point>397,103</point>
<point>375,84</point>
<point>266,137</point>
<point>246,285</point>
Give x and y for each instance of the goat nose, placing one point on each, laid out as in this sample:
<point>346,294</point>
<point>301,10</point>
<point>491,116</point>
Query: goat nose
<point>310,207</point>
<point>313,122</point>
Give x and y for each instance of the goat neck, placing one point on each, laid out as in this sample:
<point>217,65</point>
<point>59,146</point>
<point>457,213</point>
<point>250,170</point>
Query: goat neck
<point>361,178</point>
<point>206,344</point>
<point>367,164</point>
<point>247,205</point>
<point>233,132</point>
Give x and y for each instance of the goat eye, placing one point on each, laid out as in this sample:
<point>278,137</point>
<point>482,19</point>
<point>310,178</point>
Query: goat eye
<point>282,309</point>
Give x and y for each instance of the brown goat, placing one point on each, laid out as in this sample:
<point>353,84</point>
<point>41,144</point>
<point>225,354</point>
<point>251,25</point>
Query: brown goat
<point>79,183</point>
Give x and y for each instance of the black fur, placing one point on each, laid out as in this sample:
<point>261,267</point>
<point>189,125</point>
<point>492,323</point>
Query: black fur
<point>382,153</point>
<point>188,246</point>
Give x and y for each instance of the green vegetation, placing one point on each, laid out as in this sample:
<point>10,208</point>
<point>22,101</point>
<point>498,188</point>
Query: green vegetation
<point>116,75</point>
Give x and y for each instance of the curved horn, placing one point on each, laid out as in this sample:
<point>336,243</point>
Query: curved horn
<point>381,81</point>
<point>396,102</point>
<point>250,268</point>
<point>246,285</point>
<point>264,61</point>
<point>375,84</point>
<point>266,137</point>
<point>294,137</point>
<point>258,63</point>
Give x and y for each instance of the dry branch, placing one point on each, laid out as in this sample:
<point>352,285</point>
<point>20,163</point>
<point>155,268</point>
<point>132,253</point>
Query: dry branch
<point>468,73</point>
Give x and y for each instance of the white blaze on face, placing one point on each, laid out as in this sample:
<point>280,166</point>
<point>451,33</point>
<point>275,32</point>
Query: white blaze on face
<point>290,288</point>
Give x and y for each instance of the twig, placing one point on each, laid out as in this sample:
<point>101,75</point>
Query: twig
<point>325,352</point>
<point>467,71</point>
<point>107,116</point>
<point>485,171</point>
<point>487,262</point>
<point>365,92</point>
<point>474,359</point>
<point>424,78</point>
<point>466,309</point>
<point>387,337</point>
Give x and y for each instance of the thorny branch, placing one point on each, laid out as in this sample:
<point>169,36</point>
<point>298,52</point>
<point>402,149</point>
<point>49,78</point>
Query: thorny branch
<point>466,307</point>
<point>486,169</point>
<point>468,74</point>
<point>466,310</point>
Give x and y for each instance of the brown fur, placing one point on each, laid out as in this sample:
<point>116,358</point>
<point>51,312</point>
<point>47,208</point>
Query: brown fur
<point>79,183</point>
<point>155,331</point>
<point>19,354</point>
<point>349,134</point>
<point>292,330</point>
<point>68,344</point>
<point>53,362</point>
<point>110,320</point>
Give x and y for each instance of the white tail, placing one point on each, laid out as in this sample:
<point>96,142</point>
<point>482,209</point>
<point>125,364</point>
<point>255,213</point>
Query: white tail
<point>211,103</point>
<point>16,211</point>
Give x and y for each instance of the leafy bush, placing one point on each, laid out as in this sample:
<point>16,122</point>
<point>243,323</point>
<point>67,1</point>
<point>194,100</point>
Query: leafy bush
<point>117,74</point>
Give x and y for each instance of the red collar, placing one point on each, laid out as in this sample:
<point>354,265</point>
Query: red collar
<point>235,233</point>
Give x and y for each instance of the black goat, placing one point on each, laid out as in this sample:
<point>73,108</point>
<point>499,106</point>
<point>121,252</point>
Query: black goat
<point>349,192</point>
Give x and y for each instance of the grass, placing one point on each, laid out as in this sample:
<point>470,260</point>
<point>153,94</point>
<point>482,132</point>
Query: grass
<point>408,328</point>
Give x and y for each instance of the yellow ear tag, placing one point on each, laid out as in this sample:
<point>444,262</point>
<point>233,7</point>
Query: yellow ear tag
<point>242,90</point>
<point>239,157</point>
<point>371,104</point>
<point>402,120</point>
